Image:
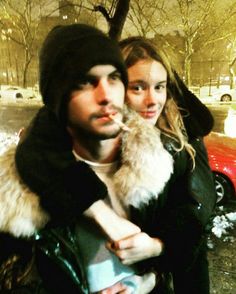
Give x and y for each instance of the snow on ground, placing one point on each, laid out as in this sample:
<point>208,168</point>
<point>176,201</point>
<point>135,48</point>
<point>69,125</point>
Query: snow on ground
<point>6,140</point>
<point>223,223</point>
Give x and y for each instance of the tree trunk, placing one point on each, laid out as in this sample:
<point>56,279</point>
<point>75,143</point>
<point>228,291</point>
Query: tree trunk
<point>187,71</point>
<point>187,61</point>
<point>118,20</point>
<point>232,73</point>
<point>231,77</point>
<point>26,67</point>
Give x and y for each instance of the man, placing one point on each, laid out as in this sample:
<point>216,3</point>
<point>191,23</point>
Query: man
<point>83,93</point>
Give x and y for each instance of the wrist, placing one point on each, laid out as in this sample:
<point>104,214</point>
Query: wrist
<point>100,212</point>
<point>158,247</point>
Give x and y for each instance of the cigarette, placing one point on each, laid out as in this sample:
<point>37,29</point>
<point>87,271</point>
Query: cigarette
<point>120,123</point>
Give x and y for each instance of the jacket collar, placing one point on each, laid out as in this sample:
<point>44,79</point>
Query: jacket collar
<point>143,173</point>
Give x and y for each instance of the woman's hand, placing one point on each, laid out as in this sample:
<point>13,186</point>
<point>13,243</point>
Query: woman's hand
<point>118,288</point>
<point>136,248</point>
<point>134,284</point>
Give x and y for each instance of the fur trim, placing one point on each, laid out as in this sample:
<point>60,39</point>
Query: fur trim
<point>146,164</point>
<point>145,168</point>
<point>21,214</point>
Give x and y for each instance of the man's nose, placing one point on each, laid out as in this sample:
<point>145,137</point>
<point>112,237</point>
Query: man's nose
<point>103,92</point>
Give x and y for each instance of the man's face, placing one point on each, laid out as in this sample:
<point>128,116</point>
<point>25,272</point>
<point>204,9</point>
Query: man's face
<point>100,94</point>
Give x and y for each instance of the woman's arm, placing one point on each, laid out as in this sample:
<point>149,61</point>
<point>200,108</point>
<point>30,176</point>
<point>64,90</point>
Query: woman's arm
<point>45,163</point>
<point>181,223</point>
<point>136,248</point>
<point>176,223</point>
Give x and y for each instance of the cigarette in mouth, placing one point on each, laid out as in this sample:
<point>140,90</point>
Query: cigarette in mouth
<point>120,123</point>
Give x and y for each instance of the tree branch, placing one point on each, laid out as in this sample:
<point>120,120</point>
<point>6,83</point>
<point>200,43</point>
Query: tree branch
<point>103,11</point>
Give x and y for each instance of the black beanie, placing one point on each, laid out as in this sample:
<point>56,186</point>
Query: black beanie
<point>67,54</point>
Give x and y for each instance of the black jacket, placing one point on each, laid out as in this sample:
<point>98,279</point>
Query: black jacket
<point>178,217</point>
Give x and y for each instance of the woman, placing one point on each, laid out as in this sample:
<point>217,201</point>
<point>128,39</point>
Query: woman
<point>178,211</point>
<point>160,97</point>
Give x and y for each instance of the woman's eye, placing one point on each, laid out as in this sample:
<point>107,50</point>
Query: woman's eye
<point>160,87</point>
<point>136,88</point>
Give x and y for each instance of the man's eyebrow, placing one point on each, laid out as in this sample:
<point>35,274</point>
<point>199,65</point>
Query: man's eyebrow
<point>114,72</point>
<point>88,76</point>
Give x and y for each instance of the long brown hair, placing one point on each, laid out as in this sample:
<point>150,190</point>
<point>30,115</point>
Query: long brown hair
<point>170,121</point>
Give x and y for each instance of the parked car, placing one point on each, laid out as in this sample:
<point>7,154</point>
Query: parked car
<point>215,94</point>
<point>226,95</point>
<point>14,93</point>
<point>222,158</point>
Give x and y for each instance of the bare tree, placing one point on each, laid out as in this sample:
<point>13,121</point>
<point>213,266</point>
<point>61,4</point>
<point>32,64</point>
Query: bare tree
<point>197,23</point>
<point>22,24</point>
<point>147,16</point>
<point>19,24</point>
<point>115,16</point>
<point>231,54</point>
<point>193,20</point>
<point>201,22</point>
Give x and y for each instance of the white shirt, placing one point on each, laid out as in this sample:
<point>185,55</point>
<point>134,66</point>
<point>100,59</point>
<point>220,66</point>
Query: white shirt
<point>105,172</point>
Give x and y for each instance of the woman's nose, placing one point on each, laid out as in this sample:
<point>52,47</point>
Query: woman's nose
<point>150,98</point>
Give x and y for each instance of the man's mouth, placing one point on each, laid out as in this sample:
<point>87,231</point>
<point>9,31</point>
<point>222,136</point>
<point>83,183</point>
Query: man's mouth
<point>119,123</point>
<point>106,114</point>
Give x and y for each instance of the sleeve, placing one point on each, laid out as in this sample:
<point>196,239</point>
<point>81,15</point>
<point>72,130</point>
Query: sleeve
<point>46,164</point>
<point>182,222</point>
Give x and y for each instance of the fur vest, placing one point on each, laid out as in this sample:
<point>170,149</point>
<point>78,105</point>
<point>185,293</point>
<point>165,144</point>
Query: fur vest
<point>144,171</point>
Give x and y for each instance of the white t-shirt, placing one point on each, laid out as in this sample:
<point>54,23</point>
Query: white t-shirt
<point>105,172</point>
<point>102,268</point>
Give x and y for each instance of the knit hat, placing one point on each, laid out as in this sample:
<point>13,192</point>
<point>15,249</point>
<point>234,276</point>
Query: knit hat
<point>67,54</point>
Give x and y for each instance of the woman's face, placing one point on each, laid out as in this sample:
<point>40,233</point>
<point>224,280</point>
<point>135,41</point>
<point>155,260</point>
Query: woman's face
<point>147,90</point>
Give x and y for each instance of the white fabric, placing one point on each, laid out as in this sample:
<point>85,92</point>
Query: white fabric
<point>106,171</point>
<point>102,268</point>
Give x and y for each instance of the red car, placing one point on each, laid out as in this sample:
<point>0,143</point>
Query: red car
<point>222,158</point>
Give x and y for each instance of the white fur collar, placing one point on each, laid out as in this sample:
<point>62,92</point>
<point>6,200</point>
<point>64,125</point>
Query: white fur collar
<point>145,168</point>
<point>146,165</point>
<point>21,214</point>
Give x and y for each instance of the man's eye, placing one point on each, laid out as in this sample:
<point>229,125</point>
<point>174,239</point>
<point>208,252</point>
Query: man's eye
<point>115,76</point>
<point>85,83</point>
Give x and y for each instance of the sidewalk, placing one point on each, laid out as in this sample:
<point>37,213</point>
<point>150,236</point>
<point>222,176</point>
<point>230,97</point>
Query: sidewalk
<point>222,263</point>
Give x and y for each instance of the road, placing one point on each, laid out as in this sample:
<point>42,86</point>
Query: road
<point>219,113</point>
<point>13,117</point>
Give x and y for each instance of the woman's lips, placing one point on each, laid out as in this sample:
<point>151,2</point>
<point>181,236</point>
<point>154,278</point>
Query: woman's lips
<point>148,114</point>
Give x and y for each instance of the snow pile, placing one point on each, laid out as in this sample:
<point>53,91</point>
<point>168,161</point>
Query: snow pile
<point>223,223</point>
<point>230,122</point>
<point>7,139</point>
